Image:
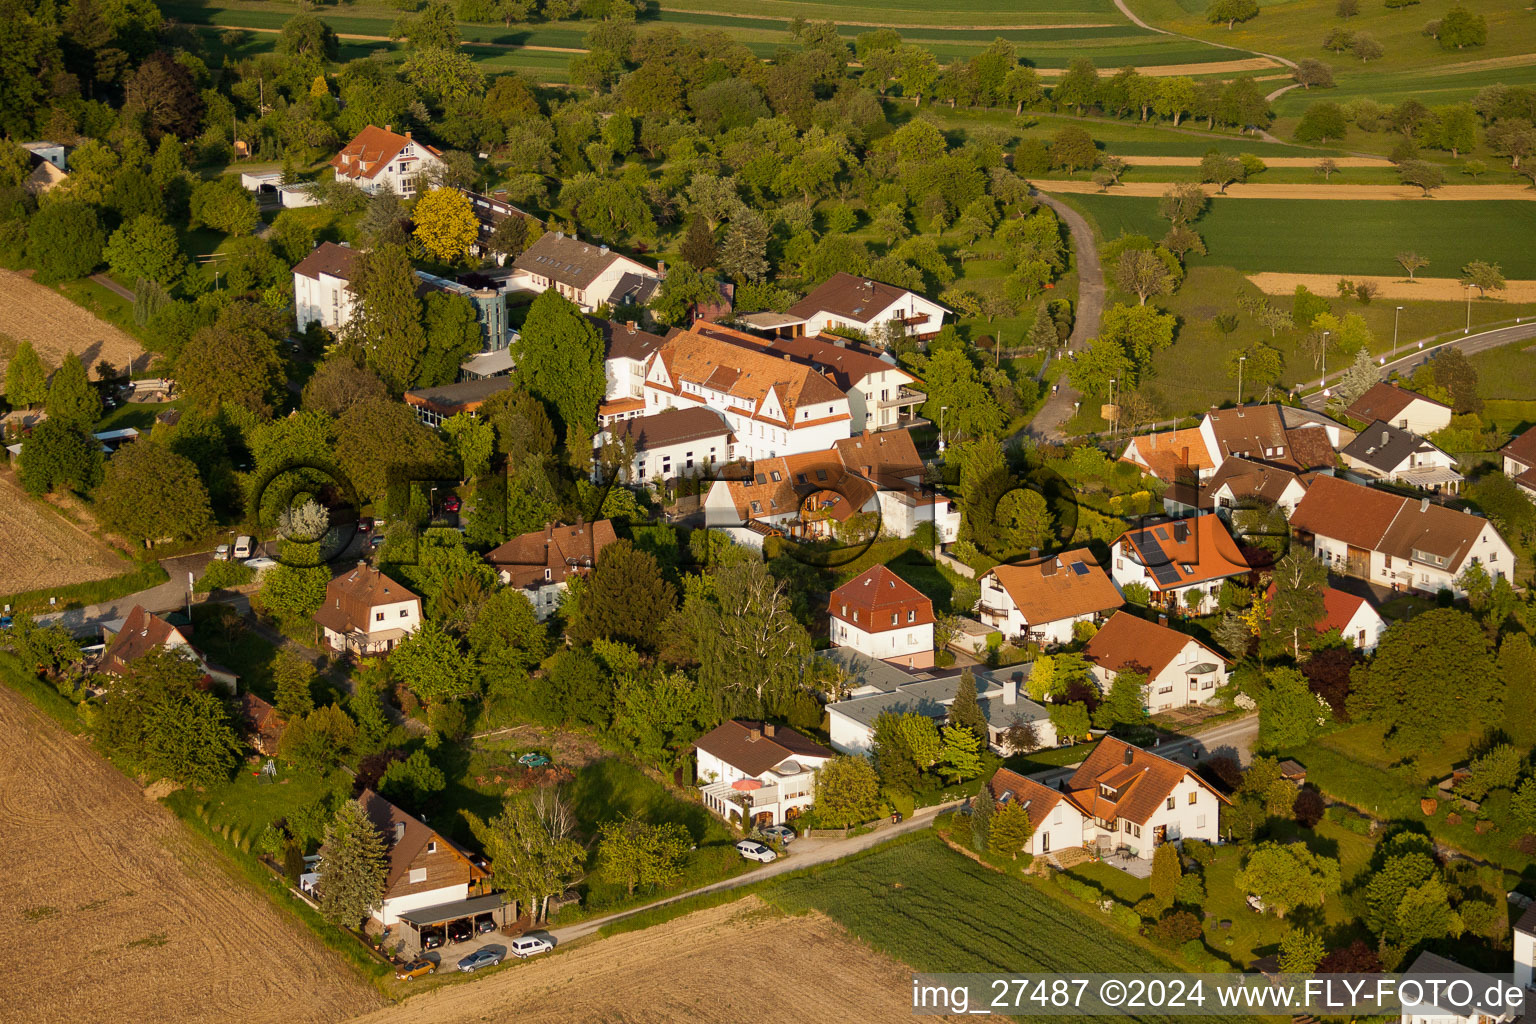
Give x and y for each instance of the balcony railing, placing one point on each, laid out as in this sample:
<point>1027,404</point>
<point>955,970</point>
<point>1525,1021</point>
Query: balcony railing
<point>904,397</point>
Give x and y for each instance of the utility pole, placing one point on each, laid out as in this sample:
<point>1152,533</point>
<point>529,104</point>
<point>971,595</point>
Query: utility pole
<point>1469,309</point>
<point>1394,328</point>
<point>1240,361</point>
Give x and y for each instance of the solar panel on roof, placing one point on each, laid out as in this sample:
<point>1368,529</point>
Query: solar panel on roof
<point>1079,568</point>
<point>1166,575</point>
<point>1162,534</point>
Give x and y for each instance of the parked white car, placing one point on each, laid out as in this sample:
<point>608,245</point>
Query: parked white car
<point>753,850</point>
<point>261,563</point>
<point>530,945</point>
<point>244,546</point>
<point>221,553</point>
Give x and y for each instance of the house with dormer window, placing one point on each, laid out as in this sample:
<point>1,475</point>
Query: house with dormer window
<point>378,159</point>
<point>882,615</point>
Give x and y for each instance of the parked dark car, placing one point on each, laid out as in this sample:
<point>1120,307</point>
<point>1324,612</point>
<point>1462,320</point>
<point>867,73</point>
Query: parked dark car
<point>484,924</point>
<point>460,930</point>
<point>365,525</point>
<point>432,939</point>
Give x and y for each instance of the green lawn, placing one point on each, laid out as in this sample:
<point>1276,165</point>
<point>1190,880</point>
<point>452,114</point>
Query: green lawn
<point>1338,237</point>
<point>247,805</point>
<point>140,415</point>
<point>1507,373</point>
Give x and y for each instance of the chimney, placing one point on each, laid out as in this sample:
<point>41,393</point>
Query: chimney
<point>549,532</point>
<point>1047,567</point>
<point>661,270</point>
<point>753,735</point>
<point>1162,619</point>
<point>389,127</point>
<point>1385,437</point>
<point>399,831</point>
<point>1130,753</point>
<point>1184,455</point>
<point>768,729</point>
<point>581,523</point>
<point>1423,504</point>
<point>786,357</point>
<point>631,325</point>
<point>1010,692</point>
<point>407,134</point>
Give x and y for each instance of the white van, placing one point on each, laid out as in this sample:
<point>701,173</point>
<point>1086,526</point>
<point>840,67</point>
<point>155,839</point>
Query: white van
<point>529,945</point>
<point>243,546</point>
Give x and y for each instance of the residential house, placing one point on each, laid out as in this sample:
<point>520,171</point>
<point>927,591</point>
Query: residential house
<point>1135,800</point>
<point>882,615</point>
<point>433,405</point>
<point>1058,822</point>
<point>1395,541</point>
<point>758,771</point>
<point>1384,452</point>
<point>263,725</point>
<point>48,165</point>
<point>1299,417</point>
<point>880,394</point>
<point>141,632</point>
<point>542,562</point>
<point>424,869</point>
<point>1404,409</point>
<point>1240,483</point>
<point>367,613</point>
<point>379,158</point>
<point>322,287</point>
<point>1259,433</point>
<point>1182,562</point>
<point>667,444</point>
<point>845,302</point>
<point>880,687</point>
<point>1520,462</point>
<point>1172,456</point>
<point>1355,618</point>
<point>1180,670</point>
<point>1467,995</point>
<point>806,496</point>
<point>1040,601</point>
<point>774,405</point>
<point>489,212</point>
<point>589,275</point>
<point>626,351</point>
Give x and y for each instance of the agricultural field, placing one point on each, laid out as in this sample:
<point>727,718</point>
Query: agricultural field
<point>122,915</point>
<point>40,547</point>
<point>1298,236</point>
<point>724,964</point>
<point>55,326</point>
<point>1507,373</point>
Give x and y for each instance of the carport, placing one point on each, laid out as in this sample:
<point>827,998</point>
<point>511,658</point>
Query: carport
<point>413,921</point>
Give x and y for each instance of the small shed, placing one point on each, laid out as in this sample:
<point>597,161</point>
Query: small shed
<point>1293,772</point>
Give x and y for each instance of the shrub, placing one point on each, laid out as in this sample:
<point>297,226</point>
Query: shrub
<point>1226,323</point>
<point>1195,953</point>
<point>1200,851</point>
<point>1175,929</point>
<point>1308,807</point>
<point>223,576</point>
<point>1125,917</point>
<point>960,830</point>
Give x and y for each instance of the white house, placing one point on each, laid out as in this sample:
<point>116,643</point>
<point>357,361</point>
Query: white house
<point>1059,824</point>
<point>322,287</point>
<point>758,772</point>
<point>541,563</point>
<point>1181,562</point>
<point>879,476</point>
<point>1180,670</point>
<point>1397,542</point>
<point>1172,456</point>
<point>1464,985</point>
<point>589,275</point>
<point>1240,483</point>
<point>366,612</point>
<point>1133,799</point>
<point>626,351</point>
<point>1384,452</point>
<point>667,444</point>
<point>379,158</point>
<point>424,868</point>
<point>1404,409</point>
<point>1355,618</point>
<point>1042,600</point>
<point>142,632</point>
<point>1520,462</point>
<point>774,405</point>
<point>845,302</point>
<point>882,615</point>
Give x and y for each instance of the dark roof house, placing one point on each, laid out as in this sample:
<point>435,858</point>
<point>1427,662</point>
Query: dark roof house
<point>551,555</point>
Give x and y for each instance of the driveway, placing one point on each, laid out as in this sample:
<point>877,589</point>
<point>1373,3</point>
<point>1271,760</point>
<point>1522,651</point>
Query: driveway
<point>1059,406</point>
<point>1229,739</point>
<point>803,853</point>
<point>167,597</point>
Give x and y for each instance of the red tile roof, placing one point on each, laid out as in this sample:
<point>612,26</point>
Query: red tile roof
<point>1384,401</point>
<point>1200,549</point>
<point>351,598</point>
<point>857,299</point>
<point>845,362</point>
<point>1376,520</point>
<point>562,551</point>
<point>371,150</point>
<point>882,600</point>
<point>1037,800</point>
<point>1053,588</point>
<point>754,747</point>
<point>1143,780</point>
<point>142,632</point>
<point>1165,454</point>
<point>405,838</point>
<point>1128,641</point>
<point>749,373</point>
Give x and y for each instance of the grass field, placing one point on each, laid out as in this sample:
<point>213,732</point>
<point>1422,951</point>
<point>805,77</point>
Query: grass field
<point>1298,236</point>
<point>1507,373</point>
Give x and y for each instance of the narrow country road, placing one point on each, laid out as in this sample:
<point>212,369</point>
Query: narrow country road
<point>165,597</point>
<point>112,286</point>
<point>1058,407</point>
<point>1196,39</point>
<point>803,853</point>
<point>1469,344</point>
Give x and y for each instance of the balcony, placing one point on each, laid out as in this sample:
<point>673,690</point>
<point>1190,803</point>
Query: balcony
<point>905,397</point>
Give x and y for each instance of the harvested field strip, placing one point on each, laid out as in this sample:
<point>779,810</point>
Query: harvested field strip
<point>39,547</point>
<point>686,969</point>
<point>55,326</point>
<point>156,930</point>
<point>1272,161</point>
<point>1429,289</point>
<point>681,14</point>
<point>1451,193</point>
<point>1297,236</point>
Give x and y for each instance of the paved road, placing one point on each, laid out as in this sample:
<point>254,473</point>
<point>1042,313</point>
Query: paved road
<point>1231,739</point>
<point>1469,344</point>
<point>803,854</point>
<point>1058,408</point>
<point>168,596</point>
<point>112,286</point>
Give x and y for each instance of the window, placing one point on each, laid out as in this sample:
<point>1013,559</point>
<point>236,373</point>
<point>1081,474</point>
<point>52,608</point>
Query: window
<point>911,614</point>
<point>1045,842</point>
<point>548,575</point>
<point>1165,689</point>
<point>845,611</point>
<point>855,615</point>
<point>1133,829</point>
<point>893,618</point>
<point>1199,821</point>
<point>405,613</point>
<point>1170,803</point>
<point>432,847</point>
<point>418,875</point>
<point>378,616</point>
<point>1194,797</point>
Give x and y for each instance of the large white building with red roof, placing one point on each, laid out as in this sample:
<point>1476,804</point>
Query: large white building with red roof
<point>380,158</point>
<point>882,615</point>
<point>1180,670</point>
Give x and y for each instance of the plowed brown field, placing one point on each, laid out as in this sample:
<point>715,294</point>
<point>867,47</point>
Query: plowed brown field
<point>727,964</point>
<point>56,326</point>
<point>113,912</point>
<point>39,548</point>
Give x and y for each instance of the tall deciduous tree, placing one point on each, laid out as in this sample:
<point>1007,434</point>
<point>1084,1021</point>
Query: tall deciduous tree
<point>847,792</point>
<point>230,365</point>
<point>26,381</point>
<point>635,853</point>
<point>353,867</point>
<point>1142,272</point>
<point>71,398</point>
<point>64,240</point>
<point>1430,675</point>
<point>59,454</point>
<point>387,315</point>
<point>560,360</point>
<point>624,598</point>
<point>445,224</point>
<point>1287,877</point>
<point>150,493</point>
<point>532,850</point>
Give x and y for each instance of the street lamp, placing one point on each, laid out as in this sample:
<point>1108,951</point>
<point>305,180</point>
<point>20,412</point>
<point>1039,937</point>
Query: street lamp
<point>942,410</point>
<point>1240,361</point>
<point>1394,327</point>
<point>1468,329</point>
<point>1325,361</point>
<point>1112,405</point>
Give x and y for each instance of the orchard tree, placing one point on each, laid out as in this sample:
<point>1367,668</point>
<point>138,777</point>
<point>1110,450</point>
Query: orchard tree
<point>1183,203</point>
<point>1143,272</point>
<point>1072,148</point>
<point>223,204</point>
<point>1221,170</point>
<point>1231,12</point>
<point>1485,277</point>
<point>1411,262</point>
<point>1461,28</point>
<point>1423,175</point>
<point>635,853</point>
<point>151,494</point>
<point>445,224</point>
<point>1288,877</point>
<point>353,867</point>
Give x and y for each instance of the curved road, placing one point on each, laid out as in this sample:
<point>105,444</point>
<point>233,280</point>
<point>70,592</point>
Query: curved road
<point>1046,424</point>
<point>1196,39</point>
<point>1469,344</point>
